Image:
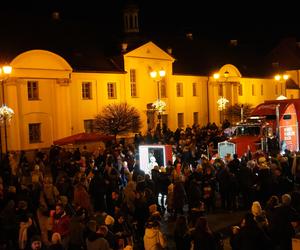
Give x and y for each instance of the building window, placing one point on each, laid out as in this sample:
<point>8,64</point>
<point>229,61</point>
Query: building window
<point>111,90</point>
<point>89,126</point>
<point>33,90</point>
<point>262,89</point>
<point>220,90</point>
<point>179,89</point>
<point>292,96</point>
<point>164,119</point>
<point>196,117</point>
<point>180,120</point>
<point>133,90</point>
<point>253,89</point>
<point>86,89</point>
<point>163,88</point>
<point>194,89</point>
<point>34,132</point>
<point>276,89</point>
<point>240,90</point>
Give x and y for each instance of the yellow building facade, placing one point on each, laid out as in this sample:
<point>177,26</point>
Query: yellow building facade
<point>51,100</point>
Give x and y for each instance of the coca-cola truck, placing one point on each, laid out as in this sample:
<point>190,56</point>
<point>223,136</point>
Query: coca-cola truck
<point>271,127</point>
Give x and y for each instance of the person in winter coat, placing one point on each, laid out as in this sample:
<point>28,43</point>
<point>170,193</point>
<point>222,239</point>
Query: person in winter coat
<point>77,228</point>
<point>202,237</point>
<point>81,195</point>
<point>95,240</point>
<point>181,234</point>
<point>36,243</point>
<point>154,238</point>
<point>164,182</point>
<point>281,228</point>
<point>61,224</point>
<point>179,196</point>
<point>260,216</point>
<point>170,199</point>
<point>49,196</point>
<point>250,236</point>
<point>129,196</point>
<point>122,229</point>
<point>56,242</point>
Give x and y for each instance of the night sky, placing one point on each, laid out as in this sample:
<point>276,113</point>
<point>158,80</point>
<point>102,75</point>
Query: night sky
<point>30,23</point>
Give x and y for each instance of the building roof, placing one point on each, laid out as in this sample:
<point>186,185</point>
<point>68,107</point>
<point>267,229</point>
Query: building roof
<point>290,84</point>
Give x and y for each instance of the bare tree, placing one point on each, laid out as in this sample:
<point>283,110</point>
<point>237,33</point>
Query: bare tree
<point>118,119</point>
<point>233,113</point>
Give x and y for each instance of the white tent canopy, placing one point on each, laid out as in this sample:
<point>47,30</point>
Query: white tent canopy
<point>281,97</point>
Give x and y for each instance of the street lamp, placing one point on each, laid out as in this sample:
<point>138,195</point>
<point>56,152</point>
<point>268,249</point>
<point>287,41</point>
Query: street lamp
<point>158,105</point>
<point>279,78</point>
<point>6,113</point>
<point>222,101</point>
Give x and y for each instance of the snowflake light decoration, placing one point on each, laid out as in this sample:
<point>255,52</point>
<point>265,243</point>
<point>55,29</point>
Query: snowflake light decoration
<point>222,103</point>
<point>6,113</point>
<point>159,105</point>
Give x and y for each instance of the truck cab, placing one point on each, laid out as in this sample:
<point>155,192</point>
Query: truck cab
<point>251,135</point>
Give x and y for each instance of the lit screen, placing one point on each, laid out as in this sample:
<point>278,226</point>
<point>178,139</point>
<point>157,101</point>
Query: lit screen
<point>150,156</point>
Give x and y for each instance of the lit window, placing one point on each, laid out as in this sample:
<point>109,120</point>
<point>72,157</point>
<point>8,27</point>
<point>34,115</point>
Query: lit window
<point>89,125</point>
<point>111,90</point>
<point>179,89</point>
<point>133,90</point>
<point>34,132</point>
<point>86,90</point>
<point>180,120</point>
<point>240,90</point>
<point>33,90</point>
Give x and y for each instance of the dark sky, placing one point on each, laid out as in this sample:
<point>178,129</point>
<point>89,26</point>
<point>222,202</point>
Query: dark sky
<point>246,20</point>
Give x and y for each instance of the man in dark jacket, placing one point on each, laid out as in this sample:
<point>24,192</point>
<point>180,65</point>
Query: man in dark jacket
<point>95,239</point>
<point>282,229</point>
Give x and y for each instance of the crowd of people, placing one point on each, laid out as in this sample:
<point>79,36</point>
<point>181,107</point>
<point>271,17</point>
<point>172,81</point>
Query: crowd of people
<point>79,199</point>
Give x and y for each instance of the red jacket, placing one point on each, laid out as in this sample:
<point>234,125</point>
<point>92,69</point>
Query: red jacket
<point>62,225</point>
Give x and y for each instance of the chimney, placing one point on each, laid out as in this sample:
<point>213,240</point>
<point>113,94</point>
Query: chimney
<point>56,15</point>
<point>189,36</point>
<point>169,50</point>
<point>233,42</point>
<point>124,47</point>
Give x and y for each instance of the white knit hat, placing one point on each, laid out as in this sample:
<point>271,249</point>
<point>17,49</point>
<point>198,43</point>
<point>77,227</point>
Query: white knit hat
<point>256,208</point>
<point>109,220</point>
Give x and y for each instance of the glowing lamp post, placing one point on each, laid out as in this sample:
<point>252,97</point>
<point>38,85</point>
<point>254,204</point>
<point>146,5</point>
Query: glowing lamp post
<point>279,79</point>
<point>222,101</point>
<point>158,105</point>
<point>6,113</point>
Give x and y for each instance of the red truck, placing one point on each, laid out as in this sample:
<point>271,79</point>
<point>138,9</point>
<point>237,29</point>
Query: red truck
<point>270,123</point>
